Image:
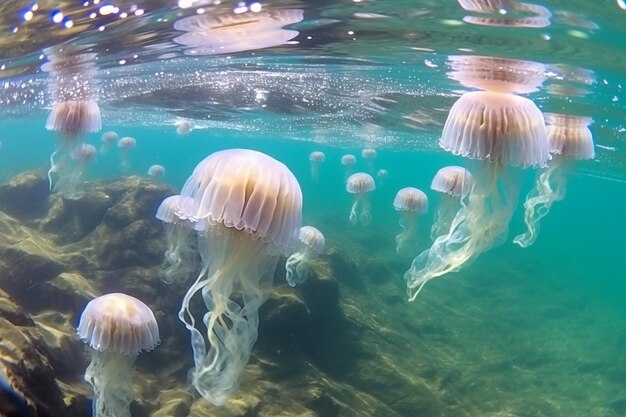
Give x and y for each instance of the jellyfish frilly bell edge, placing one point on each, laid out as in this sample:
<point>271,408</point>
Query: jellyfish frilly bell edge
<point>180,255</point>
<point>117,327</point>
<point>360,184</point>
<point>297,266</point>
<point>247,210</point>
<point>570,139</point>
<point>499,134</point>
<point>410,202</point>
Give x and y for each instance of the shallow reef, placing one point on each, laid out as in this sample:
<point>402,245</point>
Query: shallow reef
<point>345,343</point>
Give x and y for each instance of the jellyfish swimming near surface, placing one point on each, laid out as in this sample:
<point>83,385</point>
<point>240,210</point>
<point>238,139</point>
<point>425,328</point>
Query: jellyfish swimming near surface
<point>348,161</point>
<point>298,264</point>
<point>183,127</point>
<point>180,258</point>
<point>453,182</point>
<point>369,156</point>
<point>360,184</point>
<point>570,139</point>
<point>246,208</point>
<point>126,145</point>
<point>382,176</point>
<point>117,327</point>
<point>156,171</point>
<point>75,111</point>
<point>316,158</point>
<point>500,134</point>
<point>410,202</point>
<point>108,140</point>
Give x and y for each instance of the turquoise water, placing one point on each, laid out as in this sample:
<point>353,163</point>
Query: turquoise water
<point>516,332</point>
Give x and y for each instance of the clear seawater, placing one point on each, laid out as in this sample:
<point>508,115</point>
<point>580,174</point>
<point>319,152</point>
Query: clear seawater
<point>538,331</point>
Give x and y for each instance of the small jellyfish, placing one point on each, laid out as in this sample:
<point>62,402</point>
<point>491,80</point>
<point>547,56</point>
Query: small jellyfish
<point>453,183</point>
<point>156,171</point>
<point>500,134</point>
<point>369,155</point>
<point>382,176</point>
<point>180,256</point>
<point>360,184</point>
<point>315,159</point>
<point>117,327</point>
<point>246,208</point>
<point>570,140</point>
<point>348,161</point>
<point>299,263</point>
<point>125,145</point>
<point>183,127</point>
<point>82,158</point>
<point>410,202</point>
<point>108,140</point>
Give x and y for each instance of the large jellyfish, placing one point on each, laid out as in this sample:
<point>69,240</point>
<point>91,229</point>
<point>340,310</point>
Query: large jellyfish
<point>348,161</point>
<point>74,112</point>
<point>500,133</point>
<point>360,184</point>
<point>453,183</point>
<point>117,327</point>
<point>298,264</point>
<point>410,202</point>
<point>181,253</point>
<point>246,208</point>
<point>570,139</point>
<point>316,158</point>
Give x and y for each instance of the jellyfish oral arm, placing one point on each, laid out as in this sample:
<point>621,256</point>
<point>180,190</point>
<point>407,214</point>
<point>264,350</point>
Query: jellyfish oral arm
<point>110,375</point>
<point>293,263</point>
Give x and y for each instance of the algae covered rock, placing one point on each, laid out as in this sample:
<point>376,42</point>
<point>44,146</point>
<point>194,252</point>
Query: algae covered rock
<point>25,196</point>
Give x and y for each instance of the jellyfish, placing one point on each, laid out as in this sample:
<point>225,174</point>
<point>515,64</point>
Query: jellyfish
<point>410,202</point>
<point>453,183</point>
<point>82,157</point>
<point>348,161</point>
<point>125,145</point>
<point>312,244</point>
<point>108,139</point>
<point>246,208</point>
<point>156,171</point>
<point>180,256</point>
<point>316,158</point>
<point>369,155</point>
<point>183,127</point>
<point>360,184</point>
<point>117,327</point>
<point>532,15</point>
<point>74,112</point>
<point>570,139</point>
<point>500,134</point>
<point>382,175</point>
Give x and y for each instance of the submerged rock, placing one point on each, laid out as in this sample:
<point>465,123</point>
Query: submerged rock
<point>25,196</point>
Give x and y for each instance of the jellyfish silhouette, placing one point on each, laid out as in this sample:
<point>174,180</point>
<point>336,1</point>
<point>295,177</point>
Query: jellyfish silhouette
<point>246,208</point>
<point>180,256</point>
<point>183,127</point>
<point>316,158</point>
<point>298,264</point>
<point>382,176</point>
<point>117,327</point>
<point>348,161</point>
<point>570,140</point>
<point>360,184</point>
<point>156,171</point>
<point>126,145</point>
<point>108,140</point>
<point>500,134</point>
<point>74,112</point>
<point>369,156</point>
<point>453,183</point>
<point>410,202</point>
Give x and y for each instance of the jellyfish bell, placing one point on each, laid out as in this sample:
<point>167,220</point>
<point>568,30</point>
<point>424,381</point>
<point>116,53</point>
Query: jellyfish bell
<point>497,74</point>
<point>298,264</point>
<point>179,261</point>
<point>360,184</point>
<point>348,161</point>
<point>382,176</point>
<point>156,171</point>
<point>500,134</point>
<point>183,127</point>
<point>369,155</point>
<point>410,202</point>
<point>117,327</point>
<point>212,34</point>
<point>108,139</point>
<point>246,208</point>
<point>454,183</point>
<point>126,145</point>
<point>316,158</point>
<point>570,140</point>
<point>525,14</point>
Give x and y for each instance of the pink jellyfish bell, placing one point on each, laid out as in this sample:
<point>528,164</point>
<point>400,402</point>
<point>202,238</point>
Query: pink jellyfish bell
<point>453,182</point>
<point>410,202</point>
<point>298,264</point>
<point>360,185</point>
<point>316,159</point>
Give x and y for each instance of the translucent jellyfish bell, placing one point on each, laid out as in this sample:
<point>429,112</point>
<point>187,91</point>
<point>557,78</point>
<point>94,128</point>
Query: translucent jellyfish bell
<point>298,264</point>
<point>156,171</point>
<point>316,158</point>
<point>180,256</point>
<point>525,14</point>
<point>348,161</point>
<point>501,133</point>
<point>126,145</point>
<point>108,139</point>
<point>360,184</point>
<point>117,327</point>
<point>453,182</point>
<point>369,156</point>
<point>570,139</point>
<point>183,127</point>
<point>410,202</point>
<point>246,207</point>
<point>382,176</point>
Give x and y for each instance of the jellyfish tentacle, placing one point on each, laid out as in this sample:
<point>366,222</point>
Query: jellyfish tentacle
<point>353,212</point>
<point>293,263</point>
